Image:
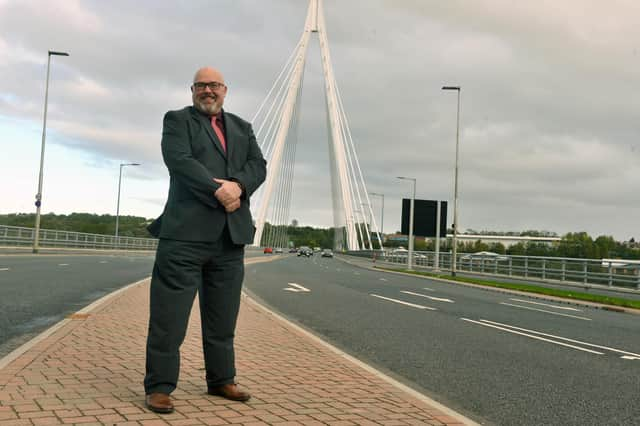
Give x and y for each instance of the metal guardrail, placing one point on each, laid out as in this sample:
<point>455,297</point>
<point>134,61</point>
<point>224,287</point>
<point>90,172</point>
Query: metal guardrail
<point>607,272</point>
<point>50,238</point>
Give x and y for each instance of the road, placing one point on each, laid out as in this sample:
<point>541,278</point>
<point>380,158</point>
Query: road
<point>496,358</point>
<point>37,291</point>
<point>624,293</point>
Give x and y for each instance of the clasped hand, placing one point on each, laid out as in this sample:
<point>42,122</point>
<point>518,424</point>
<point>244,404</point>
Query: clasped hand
<point>228,194</point>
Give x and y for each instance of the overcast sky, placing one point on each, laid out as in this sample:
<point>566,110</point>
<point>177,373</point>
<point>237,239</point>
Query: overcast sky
<point>550,105</point>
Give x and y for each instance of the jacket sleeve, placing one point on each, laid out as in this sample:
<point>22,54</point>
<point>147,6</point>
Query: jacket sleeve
<point>254,171</point>
<point>177,155</point>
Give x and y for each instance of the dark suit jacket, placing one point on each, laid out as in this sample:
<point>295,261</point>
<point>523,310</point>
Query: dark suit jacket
<point>194,156</point>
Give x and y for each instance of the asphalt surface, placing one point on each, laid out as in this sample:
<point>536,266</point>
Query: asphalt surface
<point>480,352</point>
<point>624,293</point>
<point>37,291</point>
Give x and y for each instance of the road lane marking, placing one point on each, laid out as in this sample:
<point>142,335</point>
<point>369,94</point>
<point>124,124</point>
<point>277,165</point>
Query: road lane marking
<point>428,289</point>
<point>63,264</point>
<point>566,339</point>
<point>546,304</point>
<point>383,279</point>
<point>439,299</point>
<point>548,312</point>
<point>104,261</point>
<point>533,337</point>
<point>4,269</point>
<point>413,305</point>
<point>630,357</point>
<point>296,288</point>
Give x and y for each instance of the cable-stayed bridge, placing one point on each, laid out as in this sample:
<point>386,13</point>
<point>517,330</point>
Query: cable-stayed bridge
<point>276,123</point>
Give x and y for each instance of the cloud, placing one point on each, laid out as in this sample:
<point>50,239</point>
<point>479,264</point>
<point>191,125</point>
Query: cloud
<point>548,118</point>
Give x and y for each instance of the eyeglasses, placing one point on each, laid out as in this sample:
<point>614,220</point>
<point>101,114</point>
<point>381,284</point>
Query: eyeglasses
<point>213,85</point>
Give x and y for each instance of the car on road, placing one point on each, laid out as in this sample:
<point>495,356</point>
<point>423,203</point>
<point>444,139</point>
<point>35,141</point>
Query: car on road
<point>400,254</point>
<point>305,251</point>
<point>327,253</point>
<point>278,250</point>
<point>484,256</point>
<point>268,250</point>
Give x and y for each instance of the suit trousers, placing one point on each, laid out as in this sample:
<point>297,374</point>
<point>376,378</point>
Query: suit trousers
<point>214,270</point>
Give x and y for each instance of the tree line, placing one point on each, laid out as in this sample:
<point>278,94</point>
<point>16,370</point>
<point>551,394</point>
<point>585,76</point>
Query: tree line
<point>128,226</point>
<point>574,244</point>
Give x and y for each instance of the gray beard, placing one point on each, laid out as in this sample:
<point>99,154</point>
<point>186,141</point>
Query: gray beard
<point>212,109</point>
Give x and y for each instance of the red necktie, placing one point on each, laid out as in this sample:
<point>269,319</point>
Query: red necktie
<point>217,127</point>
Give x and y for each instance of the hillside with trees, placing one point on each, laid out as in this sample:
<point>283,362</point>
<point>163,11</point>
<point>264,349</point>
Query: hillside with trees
<point>129,226</point>
<point>573,244</point>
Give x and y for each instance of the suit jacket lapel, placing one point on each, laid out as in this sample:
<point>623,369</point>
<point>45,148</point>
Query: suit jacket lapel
<point>206,123</point>
<point>230,131</point>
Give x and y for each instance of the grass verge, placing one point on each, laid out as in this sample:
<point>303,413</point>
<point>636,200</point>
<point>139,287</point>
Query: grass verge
<point>567,294</point>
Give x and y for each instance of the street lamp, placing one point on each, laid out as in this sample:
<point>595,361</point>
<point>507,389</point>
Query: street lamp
<point>455,186</point>
<point>36,237</point>
<point>413,198</point>
<point>118,208</point>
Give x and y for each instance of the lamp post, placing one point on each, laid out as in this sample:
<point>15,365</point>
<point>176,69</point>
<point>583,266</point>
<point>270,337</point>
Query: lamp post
<point>413,198</point>
<point>36,237</point>
<point>118,208</point>
<point>455,186</point>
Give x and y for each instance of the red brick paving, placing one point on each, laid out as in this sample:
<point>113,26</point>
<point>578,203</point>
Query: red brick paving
<point>90,371</point>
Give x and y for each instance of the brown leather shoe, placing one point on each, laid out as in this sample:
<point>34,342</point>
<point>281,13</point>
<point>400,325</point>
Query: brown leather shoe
<point>159,403</point>
<point>230,391</point>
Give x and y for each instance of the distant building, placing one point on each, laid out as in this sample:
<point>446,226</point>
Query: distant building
<point>505,240</point>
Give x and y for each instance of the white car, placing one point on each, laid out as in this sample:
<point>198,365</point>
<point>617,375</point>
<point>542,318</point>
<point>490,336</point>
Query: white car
<point>485,255</point>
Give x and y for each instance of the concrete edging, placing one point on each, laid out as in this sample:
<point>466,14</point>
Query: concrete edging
<point>11,356</point>
<point>446,410</point>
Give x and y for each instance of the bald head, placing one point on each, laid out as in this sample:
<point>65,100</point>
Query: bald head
<point>208,90</point>
<point>208,74</point>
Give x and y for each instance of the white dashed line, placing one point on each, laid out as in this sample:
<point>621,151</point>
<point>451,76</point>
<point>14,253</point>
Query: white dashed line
<point>296,288</point>
<point>4,269</point>
<point>545,311</point>
<point>546,304</point>
<point>438,299</point>
<point>413,305</point>
<point>531,336</point>
<point>565,339</point>
<point>63,264</point>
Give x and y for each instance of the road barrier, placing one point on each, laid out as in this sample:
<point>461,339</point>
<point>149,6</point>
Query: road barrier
<point>607,272</point>
<point>17,236</point>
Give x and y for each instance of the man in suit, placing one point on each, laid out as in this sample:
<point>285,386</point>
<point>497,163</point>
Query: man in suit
<point>214,165</point>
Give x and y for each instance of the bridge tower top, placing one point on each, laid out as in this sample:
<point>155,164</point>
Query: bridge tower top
<point>277,131</point>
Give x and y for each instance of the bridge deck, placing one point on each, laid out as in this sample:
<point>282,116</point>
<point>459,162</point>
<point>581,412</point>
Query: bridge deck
<point>90,370</point>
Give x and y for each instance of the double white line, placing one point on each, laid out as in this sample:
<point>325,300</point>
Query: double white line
<point>532,334</point>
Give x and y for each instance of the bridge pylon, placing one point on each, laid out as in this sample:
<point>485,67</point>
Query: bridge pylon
<point>277,128</point>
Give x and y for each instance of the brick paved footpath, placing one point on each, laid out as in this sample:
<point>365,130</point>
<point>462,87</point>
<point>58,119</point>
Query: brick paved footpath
<point>89,370</point>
